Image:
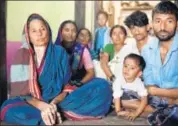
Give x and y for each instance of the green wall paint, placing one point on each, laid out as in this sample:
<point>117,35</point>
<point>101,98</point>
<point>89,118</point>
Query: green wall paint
<point>53,11</point>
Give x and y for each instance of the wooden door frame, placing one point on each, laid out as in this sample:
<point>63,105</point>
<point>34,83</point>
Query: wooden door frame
<point>3,74</point>
<point>80,13</point>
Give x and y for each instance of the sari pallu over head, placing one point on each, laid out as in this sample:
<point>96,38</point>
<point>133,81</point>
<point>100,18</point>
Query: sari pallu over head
<point>53,71</point>
<point>75,57</point>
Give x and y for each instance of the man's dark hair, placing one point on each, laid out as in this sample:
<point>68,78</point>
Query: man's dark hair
<point>104,13</point>
<point>165,7</point>
<point>137,18</point>
<point>139,59</point>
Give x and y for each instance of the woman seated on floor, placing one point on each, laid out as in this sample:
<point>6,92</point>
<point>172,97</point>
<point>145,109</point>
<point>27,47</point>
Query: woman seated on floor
<point>39,75</point>
<point>94,94</point>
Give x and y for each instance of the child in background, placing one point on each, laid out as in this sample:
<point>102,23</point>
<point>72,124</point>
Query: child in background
<point>102,37</point>
<point>130,86</point>
<point>84,37</point>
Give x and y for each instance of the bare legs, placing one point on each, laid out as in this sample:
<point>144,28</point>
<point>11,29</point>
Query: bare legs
<point>132,105</point>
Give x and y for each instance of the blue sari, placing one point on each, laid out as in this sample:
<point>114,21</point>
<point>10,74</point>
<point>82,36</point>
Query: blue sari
<point>54,76</point>
<point>87,102</point>
<point>91,101</point>
<point>93,98</point>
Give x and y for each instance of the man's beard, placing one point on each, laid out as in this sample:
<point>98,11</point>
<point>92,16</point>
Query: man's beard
<point>67,45</point>
<point>167,37</point>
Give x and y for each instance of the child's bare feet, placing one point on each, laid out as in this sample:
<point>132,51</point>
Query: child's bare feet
<point>122,113</point>
<point>132,116</point>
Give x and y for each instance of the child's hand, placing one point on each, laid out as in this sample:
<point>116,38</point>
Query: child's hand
<point>132,116</point>
<point>122,113</point>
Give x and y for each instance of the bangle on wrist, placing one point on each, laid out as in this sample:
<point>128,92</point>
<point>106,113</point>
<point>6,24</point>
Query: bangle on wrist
<point>112,78</point>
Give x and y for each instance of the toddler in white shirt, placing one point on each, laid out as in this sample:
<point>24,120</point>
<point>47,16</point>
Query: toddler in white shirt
<point>129,86</point>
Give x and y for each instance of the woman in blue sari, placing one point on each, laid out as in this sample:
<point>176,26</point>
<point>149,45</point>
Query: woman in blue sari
<point>39,74</point>
<point>82,70</point>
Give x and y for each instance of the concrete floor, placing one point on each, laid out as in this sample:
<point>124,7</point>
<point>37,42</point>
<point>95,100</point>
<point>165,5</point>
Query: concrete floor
<point>110,119</point>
